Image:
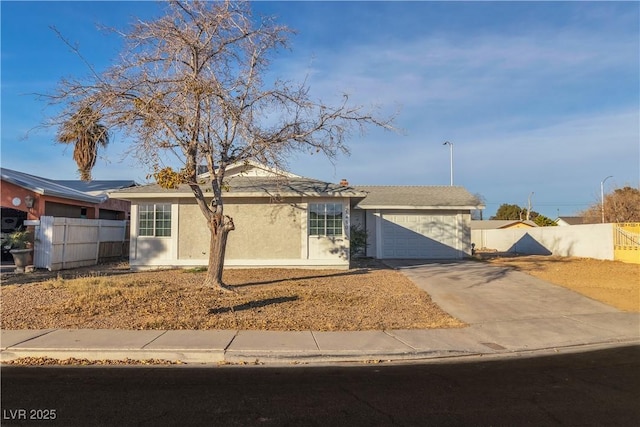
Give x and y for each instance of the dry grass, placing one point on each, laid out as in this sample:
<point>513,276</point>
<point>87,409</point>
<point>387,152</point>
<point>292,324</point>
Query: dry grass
<point>74,361</point>
<point>272,299</point>
<point>266,299</point>
<point>611,282</point>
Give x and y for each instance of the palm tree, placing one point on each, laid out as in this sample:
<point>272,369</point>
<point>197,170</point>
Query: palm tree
<point>84,130</point>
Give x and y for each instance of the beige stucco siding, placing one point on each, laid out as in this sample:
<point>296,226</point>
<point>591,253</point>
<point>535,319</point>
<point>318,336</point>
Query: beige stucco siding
<point>264,230</point>
<point>193,233</point>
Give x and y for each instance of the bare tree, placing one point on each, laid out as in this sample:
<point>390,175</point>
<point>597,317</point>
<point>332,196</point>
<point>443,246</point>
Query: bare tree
<point>193,83</point>
<point>621,205</point>
<point>84,130</point>
<point>476,214</point>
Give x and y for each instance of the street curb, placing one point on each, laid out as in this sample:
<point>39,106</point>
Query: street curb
<point>339,357</point>
<point>217,357</point>
<point>191,356</point>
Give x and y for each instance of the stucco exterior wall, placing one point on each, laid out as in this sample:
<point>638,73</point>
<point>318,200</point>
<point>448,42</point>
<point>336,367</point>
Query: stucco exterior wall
<point>264,230</point>
<point>11,191</point>
<point>193,240</point>
<point>268,234</point>
<point>464,227</point>
<point>588,241</point>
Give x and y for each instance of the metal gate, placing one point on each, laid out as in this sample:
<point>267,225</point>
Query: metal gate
<point>626,242</point>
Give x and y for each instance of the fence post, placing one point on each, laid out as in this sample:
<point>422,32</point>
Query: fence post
<point>46,248</point>
<point>64,242</point>
<point>98,242</point>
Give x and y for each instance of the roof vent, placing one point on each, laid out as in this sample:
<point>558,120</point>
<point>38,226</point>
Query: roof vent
<point>344,183</point>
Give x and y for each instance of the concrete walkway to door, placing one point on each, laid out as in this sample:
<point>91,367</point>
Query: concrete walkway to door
<point>516,311</point>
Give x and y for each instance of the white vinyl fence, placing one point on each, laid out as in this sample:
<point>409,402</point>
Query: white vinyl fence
<point>587,241</point>
<point>62,243</point>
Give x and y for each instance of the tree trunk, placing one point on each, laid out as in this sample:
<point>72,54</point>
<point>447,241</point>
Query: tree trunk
<point>217,247</point>
<point>85,175</point>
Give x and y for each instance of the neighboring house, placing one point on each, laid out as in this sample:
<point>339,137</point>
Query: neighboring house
<point>109,208</point>
<point>283,219</point>
<point>500,224</point>
<point>570,220</point>
<point>28,197</point>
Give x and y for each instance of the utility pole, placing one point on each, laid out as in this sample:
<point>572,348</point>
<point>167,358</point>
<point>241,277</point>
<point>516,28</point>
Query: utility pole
<point>602,196</point>
<point>450,144</point>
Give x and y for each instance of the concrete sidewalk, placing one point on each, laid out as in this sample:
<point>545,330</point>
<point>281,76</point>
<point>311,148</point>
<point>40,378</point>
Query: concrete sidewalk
<point>508,312</point>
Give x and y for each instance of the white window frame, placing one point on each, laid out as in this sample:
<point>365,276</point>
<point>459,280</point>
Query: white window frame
<point>325,224</point>
<point>158,210</point>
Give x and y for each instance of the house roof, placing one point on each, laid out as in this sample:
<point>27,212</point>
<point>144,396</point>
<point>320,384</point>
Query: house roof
<point>417,197</point>
<point>571,220</point>
<point>250,168</point>
<point>96,188</point>
<point>251,179</point>
<point>494,224</point>
<point>248,186</point>
<point>47,187</point>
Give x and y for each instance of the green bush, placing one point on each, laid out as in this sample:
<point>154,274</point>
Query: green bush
<point>18,239</point>
<point>358,241</point>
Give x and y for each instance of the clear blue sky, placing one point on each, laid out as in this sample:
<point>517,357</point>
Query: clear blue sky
<point>538,97</point>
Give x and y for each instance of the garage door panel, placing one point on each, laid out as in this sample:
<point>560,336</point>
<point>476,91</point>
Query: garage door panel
<point>419,236</point>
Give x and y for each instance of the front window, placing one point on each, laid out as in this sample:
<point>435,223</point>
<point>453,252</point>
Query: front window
<point>154,220</point>
<point>325,219</point>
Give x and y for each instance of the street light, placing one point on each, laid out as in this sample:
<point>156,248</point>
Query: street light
<point>602,196</point>
<point>450,144</point>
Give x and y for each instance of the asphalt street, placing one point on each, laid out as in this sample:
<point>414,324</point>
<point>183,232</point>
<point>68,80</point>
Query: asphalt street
<point>599,387</point>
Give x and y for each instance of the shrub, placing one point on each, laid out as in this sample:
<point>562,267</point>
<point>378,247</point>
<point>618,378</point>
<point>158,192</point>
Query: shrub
<point>358,241</point>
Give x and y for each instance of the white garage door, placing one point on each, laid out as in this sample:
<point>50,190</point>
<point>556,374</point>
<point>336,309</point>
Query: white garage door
<point>419,236</point>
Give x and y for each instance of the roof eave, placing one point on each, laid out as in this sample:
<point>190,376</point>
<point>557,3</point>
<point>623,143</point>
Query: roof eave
<point>405,207</point>
<point>43,192</point>
<point>89,199</point>
<point>256,194</point>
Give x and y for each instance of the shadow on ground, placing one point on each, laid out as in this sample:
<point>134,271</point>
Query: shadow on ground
<point>252,304</point>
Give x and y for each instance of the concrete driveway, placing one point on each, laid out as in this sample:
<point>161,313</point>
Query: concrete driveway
<point>517,310</point>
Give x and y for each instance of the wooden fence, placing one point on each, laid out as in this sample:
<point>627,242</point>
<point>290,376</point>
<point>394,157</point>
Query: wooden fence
<point>62,243</point>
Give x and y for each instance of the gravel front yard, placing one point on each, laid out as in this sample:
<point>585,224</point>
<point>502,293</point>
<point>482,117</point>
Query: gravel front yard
<point>266,299</point>
<point>367,298</point>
